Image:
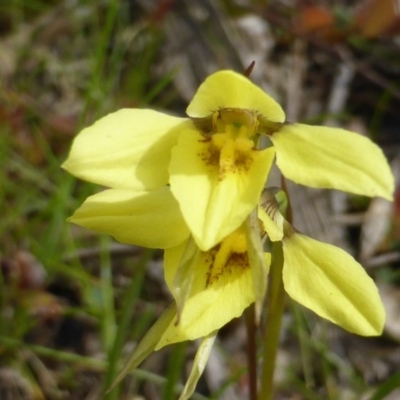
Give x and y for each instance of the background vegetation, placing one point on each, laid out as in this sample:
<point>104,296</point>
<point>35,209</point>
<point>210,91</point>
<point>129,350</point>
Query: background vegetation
<point>73,304</point>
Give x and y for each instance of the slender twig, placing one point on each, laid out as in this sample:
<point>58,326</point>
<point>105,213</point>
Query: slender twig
<point>276,297</point>
<point>251,351</point>
<point>249,69</point>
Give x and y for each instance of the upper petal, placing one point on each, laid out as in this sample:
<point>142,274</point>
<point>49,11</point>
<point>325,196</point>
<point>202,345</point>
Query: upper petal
<point>214,207</point>
<point>126,149</point>
<point>326,157</point>
<point>228,89</point>
<point>330,282</point>
<point>149,219</point>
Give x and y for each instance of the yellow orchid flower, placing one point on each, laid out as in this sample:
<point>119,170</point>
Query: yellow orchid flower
<point>324,278</point>
<point>190,185</point>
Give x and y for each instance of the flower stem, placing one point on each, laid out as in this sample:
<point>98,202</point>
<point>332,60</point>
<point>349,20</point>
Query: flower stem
<point>276,297</point>
<point>251,351</point>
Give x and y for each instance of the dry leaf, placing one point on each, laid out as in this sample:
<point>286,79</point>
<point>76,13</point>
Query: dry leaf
<point>377,17</point>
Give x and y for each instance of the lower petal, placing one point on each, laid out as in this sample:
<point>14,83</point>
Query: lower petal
<point>149,219</point>
<point>333,158</point>
<point>214,207</point>
<point>217,293</point>
<point>330,282</point>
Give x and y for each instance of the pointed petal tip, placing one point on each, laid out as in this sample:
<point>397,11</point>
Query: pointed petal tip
<point>68,166</point>
<point>340,289</point>
<point>388,194</point>
<point>64,164</point>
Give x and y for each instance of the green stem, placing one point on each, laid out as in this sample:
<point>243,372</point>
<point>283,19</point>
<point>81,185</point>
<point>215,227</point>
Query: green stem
<point>305,346</point>
<point>251,351</point>
<point>124,322</point>
<point>174,369</point>
<point>276,297</point>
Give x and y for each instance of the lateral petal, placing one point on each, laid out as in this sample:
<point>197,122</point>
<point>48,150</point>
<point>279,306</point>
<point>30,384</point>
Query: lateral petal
<point>331,283</point>
<point>149,219</point>
<point>260,261</point>
<point>214,207</point>
<point>333,158</point>
<point>130,148</point>
<point>228,89</point>
<point>275,232</point>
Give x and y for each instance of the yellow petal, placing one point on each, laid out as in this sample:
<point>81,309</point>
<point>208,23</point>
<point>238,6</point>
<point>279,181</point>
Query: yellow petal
<point>130,148</point>
<point>221,289</point>
<point>330,282</point>
<point>333,158</point>
<point>149,219</point>
<point>260,262</point>
<point>228,89</point>
<point>214,207</point>
<point>181,282</point>
<point>199,363</point>
<point>275,232</point>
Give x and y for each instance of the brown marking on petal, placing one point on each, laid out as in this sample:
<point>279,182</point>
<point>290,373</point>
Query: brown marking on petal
<point>236,262</point>
<point>212,253</point>
<point>241,165</point>
<point>270,207</point>
<point>211,156</point>
<point>267,127</point>
<point>243,161</point>
<point>261,228</point>
<point>239,260</point>
<point>204,125</point>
